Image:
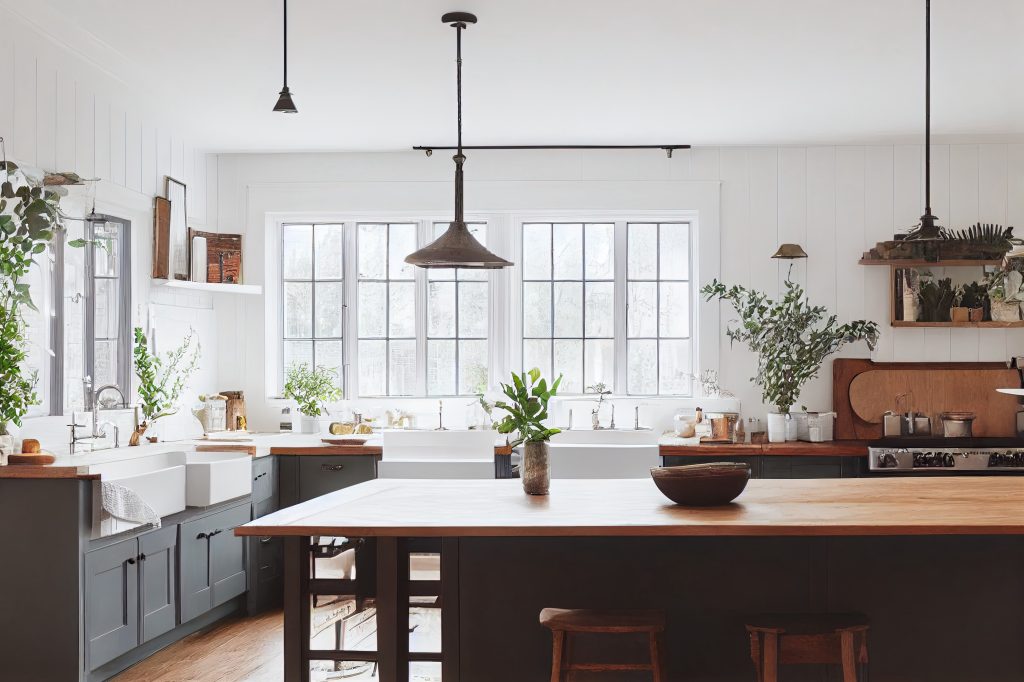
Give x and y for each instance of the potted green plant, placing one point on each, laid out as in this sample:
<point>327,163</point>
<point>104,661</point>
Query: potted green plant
<point>791,338</point>
<point>936,298</point>
<point>527,408</point>
<point>971,303</point>
<point>1004,291</point>
<point>161,379</point>
<point>312,388</point>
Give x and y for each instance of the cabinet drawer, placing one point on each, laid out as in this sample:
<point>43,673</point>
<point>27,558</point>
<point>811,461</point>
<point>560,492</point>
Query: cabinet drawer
<point>264,478</point>
<point>319,475</point>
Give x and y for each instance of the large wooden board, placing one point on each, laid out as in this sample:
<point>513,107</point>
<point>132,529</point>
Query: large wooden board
<point>863,391</point>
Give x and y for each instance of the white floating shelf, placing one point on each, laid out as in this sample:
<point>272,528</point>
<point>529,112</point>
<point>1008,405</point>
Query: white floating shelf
<point>212,287</point>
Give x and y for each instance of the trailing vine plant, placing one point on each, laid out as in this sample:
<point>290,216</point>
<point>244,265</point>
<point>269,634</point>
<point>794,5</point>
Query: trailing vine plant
<point>162,379</point>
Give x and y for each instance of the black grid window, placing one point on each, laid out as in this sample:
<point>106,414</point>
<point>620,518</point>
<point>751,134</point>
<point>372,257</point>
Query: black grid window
<point>658,309</point>
<point>458,317</point>
<point>386,309</point>
<point>568,302</point>
<point>313,297</point>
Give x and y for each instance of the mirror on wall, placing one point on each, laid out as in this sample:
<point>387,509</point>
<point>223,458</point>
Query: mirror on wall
<point>176,194</point>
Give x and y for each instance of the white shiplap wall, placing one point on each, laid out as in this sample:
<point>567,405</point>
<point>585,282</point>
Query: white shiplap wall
<point>59,111</point>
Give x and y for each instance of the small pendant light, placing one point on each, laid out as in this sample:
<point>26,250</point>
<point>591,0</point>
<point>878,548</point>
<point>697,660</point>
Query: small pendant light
<point>285,105</point>
<point>457,248</point>
<point>790,252</point>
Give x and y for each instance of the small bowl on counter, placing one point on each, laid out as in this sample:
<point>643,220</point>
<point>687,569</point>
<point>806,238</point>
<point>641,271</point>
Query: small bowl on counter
<point>702,485</point>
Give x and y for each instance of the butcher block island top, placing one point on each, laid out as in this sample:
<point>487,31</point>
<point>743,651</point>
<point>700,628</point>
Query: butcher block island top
<point>634,507</point>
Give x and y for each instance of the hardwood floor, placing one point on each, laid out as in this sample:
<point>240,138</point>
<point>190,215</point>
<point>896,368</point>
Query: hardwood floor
<point>237,650</point>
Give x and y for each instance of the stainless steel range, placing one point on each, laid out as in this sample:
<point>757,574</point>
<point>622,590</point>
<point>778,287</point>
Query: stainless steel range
<point>927,459</point>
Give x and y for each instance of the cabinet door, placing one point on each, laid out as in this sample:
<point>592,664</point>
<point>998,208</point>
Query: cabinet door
<point>319,475</point>
<point>158,563</point>
<point>194,567</point>
<point>264,479</point>
<point>227,555</point>
<point>111,601</point>
<point>798,466</point>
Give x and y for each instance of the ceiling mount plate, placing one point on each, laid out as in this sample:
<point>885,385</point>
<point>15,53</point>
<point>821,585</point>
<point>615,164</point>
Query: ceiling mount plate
<point>455,18</point>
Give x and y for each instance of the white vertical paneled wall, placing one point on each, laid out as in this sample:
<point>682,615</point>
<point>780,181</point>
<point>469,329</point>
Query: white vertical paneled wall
<point>60,112</point>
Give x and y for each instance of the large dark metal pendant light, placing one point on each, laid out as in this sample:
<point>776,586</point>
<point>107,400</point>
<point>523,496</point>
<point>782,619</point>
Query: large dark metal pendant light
<point>929,228</point>
<point>285,105</point>
<point>457,248</point>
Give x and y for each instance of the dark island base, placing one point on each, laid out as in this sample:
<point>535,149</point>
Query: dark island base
<point>942,607</point>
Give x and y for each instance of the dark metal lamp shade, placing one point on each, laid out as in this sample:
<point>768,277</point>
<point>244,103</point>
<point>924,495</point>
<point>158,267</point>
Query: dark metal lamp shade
<point>456,248</point>
<point>790,251</point>
<point>285,105</point>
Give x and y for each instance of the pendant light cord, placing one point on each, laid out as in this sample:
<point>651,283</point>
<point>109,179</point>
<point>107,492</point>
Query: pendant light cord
<point>286,44</point>
<point>928,106</point>
<point>458,80</point>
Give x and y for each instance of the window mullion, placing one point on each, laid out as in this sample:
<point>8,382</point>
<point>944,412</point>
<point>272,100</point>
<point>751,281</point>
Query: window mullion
<point>423,238</point>
<point>350,296</point>
<point>620,298</point>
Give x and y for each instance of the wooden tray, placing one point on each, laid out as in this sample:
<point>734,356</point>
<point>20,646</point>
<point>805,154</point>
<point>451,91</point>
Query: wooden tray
<point>37,458</point>
<point>347,440</point>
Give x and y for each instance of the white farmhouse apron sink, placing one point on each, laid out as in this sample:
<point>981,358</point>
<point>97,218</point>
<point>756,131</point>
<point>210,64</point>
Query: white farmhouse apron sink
<point>213,477</point>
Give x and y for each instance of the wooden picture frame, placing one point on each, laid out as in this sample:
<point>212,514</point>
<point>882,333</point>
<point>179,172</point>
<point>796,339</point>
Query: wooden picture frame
<point>179,243</point>
<point>161,238</point>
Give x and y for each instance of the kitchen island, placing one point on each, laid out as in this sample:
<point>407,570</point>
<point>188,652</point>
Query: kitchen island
<point>936,564</point>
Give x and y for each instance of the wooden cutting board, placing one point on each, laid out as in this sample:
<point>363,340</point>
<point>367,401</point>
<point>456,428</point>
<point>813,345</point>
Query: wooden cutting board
<point>934,390</point>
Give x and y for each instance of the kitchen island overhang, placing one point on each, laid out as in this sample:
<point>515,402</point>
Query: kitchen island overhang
<point>935,562</point>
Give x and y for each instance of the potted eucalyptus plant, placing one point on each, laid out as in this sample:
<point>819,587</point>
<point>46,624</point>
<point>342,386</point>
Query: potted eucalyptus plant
<point>312,388</point>
<point>791,338</point>
<point>527,408</point>
<point>161,379</point>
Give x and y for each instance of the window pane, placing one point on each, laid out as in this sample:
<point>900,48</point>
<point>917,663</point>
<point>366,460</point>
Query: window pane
<point>642,372</point>
<point>674,309</point>
<point>441,307</point>
<point>536,251</point>
<point>567,255</point>
<point>402,309</point>
<point>674,251</point>
<point>329,304</point>
<point>568,363</point>
<point>473,309</point>
<point>107,309</point>
<point>674,367</point>
<point>372,367</point>
<point>642,307</point>
<point>298,310</point>
<point>401,367</point>
<point>568,309</point>
<point>372,307</point>
<point>297,247</point>
<point>600,301</point>
<point>536,309</point>
<point>297,352</point>
<point>402,242</point>
<point>537,353</point>
<point>106,363</point>
<point>642,254</point>
<point>600,251</point>
<point>105,252</point>
<point>472,367</point>
<point>329,354</point>
<point>440,367</point>
<point>328,251</point>
<point>600,362</point>
<point>372,243</point>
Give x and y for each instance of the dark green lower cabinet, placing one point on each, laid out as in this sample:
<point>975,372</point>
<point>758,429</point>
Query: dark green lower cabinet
<point>783,466</point>
<point>212,561</point>
<point>304,477</point>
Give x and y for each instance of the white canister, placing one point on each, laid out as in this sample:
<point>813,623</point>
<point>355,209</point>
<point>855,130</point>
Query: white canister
<point>778,426</point>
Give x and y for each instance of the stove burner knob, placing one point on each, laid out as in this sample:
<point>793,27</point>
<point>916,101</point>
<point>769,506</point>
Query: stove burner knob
<point>948,461</point>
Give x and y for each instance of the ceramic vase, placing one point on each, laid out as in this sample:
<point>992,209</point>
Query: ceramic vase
<point>778,427</point>
<point>535,469</point>
<point>137,434</point>
<point>308,425</point>
<point>1005,311</point>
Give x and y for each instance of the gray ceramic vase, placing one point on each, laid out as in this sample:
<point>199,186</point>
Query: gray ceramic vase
<point>535,469</point>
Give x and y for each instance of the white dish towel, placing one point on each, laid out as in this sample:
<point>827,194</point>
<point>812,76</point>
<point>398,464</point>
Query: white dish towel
<point>124,503</point>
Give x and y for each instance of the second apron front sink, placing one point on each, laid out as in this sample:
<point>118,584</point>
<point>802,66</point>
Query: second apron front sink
<point>213,477</point>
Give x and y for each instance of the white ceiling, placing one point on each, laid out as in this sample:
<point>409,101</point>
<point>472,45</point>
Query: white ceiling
<point>379,74</point>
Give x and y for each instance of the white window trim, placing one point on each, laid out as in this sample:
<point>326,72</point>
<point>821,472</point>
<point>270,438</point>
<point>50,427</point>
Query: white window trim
<point>505,291</point>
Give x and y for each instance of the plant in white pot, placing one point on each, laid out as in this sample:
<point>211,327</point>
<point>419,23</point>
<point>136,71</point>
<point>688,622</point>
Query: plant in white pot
<point>311,388</point>
<point>527,409</point>
<point>161,379</point>
<point>792,339</point>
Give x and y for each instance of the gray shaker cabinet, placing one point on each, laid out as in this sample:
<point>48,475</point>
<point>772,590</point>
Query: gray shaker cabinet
<point>112,601</point>
<point>212,561</point>
<point>158,563</point>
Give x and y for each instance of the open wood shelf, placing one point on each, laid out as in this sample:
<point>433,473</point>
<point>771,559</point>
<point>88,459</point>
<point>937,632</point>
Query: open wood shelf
<point>914,263</point>
<point>987,324</point>
<point>212,287</point>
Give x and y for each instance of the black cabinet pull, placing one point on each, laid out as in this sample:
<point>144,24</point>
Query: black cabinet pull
<point>142,557</point>
<point>332,467</point>
<point>215,532</point>
<point>131,561</point>
<point>265,541</point>
<point>201,536</point>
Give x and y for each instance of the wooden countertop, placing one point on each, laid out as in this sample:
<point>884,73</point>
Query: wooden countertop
<point>835,448</point>
<point>946,505</point>
<point>46,471</point>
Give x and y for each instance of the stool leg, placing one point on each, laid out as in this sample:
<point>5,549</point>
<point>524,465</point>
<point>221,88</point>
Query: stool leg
<point>656,654</point>
<point>849,659</point>
<point>570,674</point>
<point>771,657</point>
<point>755,654</point>
<point>558,639</point>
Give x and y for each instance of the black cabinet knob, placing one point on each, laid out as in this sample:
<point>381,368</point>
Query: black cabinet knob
<point>131,561</point>
<point>201,536</point>
<point>142,557</point>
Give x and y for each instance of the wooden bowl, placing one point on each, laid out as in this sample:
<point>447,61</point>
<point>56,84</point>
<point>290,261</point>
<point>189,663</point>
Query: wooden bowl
<point>702,485</point>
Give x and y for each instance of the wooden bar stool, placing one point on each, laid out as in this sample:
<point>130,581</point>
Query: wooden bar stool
<point>566,623</point>
<point>806,639</point>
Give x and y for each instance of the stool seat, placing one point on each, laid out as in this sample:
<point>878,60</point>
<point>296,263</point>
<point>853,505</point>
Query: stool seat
<point>590,620</point>
<point>807,623</point>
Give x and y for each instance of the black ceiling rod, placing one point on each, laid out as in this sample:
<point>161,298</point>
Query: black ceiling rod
<point>667,148</point>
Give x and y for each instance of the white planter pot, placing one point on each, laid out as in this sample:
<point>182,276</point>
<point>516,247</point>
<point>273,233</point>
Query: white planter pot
<point>307,424</point>
<point>6,448</point>
<point>778,427</point>
<point>792,428</point>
